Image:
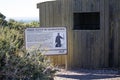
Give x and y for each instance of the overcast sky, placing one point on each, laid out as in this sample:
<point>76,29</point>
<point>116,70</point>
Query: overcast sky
<point>20,8</point>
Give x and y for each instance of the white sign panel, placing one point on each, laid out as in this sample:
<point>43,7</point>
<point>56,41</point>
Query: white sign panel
<point>51,40</point>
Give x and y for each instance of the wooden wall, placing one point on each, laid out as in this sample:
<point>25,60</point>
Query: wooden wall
<point>86,48</point>
<point>55,14</point>
<point>91,46</point>
<point>114,17</point>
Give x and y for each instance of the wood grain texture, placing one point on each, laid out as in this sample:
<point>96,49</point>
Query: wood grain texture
<point>86,48</point>
<point>115,32</point>
<point>91,46</point>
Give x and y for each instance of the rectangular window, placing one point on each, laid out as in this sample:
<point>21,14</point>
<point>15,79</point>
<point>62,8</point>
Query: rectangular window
<point>87,21</point>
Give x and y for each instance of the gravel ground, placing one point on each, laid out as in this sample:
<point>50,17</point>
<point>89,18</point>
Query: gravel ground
<point>84,74</point>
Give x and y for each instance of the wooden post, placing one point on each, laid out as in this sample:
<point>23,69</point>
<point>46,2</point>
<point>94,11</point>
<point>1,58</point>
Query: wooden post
<point>66,63</point>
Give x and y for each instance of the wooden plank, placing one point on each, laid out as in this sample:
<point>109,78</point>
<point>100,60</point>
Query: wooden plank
<point>119,35</point>
<point>42,18</point>
<point>116,18</point>
<point>51,14</point>
<point>102,27</point>
<point>47,14</point>
<point>106,24</point>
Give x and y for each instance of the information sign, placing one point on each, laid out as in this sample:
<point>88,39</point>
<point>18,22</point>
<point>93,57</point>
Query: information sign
<point>52,40</point>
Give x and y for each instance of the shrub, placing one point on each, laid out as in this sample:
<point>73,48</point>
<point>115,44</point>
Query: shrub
<point>31,66</point>
<point>17,64</point>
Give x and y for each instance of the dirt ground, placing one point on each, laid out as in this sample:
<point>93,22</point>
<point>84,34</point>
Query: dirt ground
<point>84,74</point>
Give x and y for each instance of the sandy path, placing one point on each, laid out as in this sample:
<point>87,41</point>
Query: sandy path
<point>83,74</point>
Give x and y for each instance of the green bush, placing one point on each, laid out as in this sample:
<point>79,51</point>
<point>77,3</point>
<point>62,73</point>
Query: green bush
<point>31,66</point>
<point>17,64</point>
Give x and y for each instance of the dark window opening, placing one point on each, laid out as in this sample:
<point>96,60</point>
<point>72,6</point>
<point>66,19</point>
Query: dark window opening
<point>87,21</point>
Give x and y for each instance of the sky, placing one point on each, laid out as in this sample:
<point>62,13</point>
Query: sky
<point>20,8</point>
